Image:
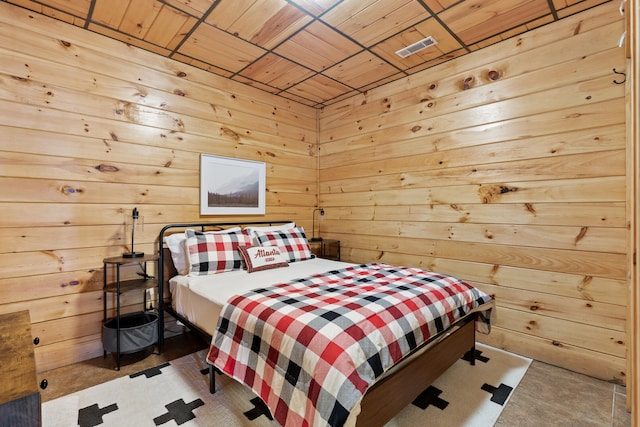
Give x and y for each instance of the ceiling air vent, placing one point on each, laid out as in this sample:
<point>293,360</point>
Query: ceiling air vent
<point>416,47</point>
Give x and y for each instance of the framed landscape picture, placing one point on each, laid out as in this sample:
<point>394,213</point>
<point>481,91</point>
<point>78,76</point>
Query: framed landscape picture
<point>231,186</point>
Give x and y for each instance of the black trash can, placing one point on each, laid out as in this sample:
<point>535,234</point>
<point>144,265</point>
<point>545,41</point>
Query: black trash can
<point>137,331</point>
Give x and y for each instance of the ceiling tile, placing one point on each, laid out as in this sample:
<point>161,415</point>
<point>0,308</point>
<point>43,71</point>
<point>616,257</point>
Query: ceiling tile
<point>193,7</point>
<point>129,39</point>
<point>370,22</point>
<point>315,7</point>
<point>218,48</point>
<point>474,21</point>
<point>74,7</point>
<point>446,43</point>
<point>318,47</point>
<point>266,23</point>
<point>109,13</point>
<point>139,17</point>
<point>179,36</point>
<point>167,26</point>
<point>319,88</point>
<point>437,5</point>
<point>360,70</point>
<point>276,71</point>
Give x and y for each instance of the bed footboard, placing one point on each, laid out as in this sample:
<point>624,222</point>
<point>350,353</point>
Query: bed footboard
<point>390,395</point>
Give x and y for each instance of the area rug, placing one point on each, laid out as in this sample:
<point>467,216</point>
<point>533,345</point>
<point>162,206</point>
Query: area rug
<point>177,394</point>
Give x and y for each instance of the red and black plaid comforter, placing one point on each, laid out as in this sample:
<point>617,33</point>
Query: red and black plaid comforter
<point>311,347</point>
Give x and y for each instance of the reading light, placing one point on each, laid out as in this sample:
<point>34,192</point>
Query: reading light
<point>313,225</point>
<point>135,222</point>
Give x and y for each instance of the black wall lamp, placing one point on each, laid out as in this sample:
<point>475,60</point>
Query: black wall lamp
<point>133,223</point>
<point>313,225</point>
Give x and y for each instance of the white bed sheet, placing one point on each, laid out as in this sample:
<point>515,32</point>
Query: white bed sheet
<point>201,298</point>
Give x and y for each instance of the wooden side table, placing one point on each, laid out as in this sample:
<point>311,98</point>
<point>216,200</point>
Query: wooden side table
<point>326,248</point>
<point>19,395</point>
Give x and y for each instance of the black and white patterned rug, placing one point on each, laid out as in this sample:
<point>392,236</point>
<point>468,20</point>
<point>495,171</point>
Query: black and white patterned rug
<point>177,394</point>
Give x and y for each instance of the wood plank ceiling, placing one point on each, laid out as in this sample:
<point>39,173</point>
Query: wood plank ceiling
<point>315,52</point>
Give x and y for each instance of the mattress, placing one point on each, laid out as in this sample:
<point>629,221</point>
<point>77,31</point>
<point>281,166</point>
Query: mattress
<point>199,299</point>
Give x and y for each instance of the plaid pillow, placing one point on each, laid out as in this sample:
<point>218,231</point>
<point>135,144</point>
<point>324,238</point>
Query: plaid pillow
<point>177,246</point>
<point>258,258</point>
<point>293,241</point>
<point>214,253</point>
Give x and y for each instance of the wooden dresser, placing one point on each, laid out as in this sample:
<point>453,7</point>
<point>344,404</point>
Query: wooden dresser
<point>19,395</point>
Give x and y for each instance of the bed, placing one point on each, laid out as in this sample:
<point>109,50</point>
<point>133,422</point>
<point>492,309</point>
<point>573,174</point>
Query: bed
<point>387,381</point>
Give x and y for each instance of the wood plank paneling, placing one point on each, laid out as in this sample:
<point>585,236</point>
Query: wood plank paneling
<point>226,36</point>
<point>506,168</point>
<point>92,128</point>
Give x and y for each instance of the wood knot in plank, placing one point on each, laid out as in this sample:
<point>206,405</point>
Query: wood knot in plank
<point>107,168</point>
<point>493,75</point>
<point>493,273</point>
<point>581,234</point>
<point>142,93</point>
<point>491,193</point>
<point>530,208</point>
<point>506,189</point>
<point>71,283</point>
<point>67,189</point>
<point>576,31</point>
<point>65,43</point>
<point>416,128</point>
<point>234,135</point>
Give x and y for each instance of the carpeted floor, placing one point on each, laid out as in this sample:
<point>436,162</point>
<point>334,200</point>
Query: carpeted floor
<point>176,393</point>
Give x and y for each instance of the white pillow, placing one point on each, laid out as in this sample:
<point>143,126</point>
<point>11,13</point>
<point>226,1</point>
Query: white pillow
<point>177,244</point>
<point>253,230</point>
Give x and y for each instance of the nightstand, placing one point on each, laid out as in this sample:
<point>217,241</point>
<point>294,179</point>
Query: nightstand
<point>326,248</point>
<point>131,332</point>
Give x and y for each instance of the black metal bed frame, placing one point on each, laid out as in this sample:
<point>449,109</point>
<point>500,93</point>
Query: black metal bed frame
<point>166,307</point>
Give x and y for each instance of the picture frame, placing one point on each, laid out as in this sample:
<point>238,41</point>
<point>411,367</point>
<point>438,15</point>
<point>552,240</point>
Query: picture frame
<point>230,186</point>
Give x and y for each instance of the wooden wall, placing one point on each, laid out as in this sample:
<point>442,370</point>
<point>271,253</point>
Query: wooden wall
<point>91,128</point>
<point>505,167</point>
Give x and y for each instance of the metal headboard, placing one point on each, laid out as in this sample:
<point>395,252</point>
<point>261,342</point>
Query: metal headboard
<point>203,226</point>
